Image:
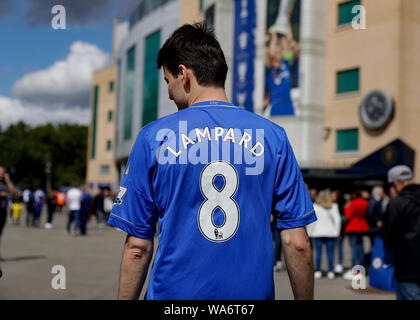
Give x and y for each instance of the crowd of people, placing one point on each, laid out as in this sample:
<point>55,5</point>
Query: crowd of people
<point>28,206</point>
<point>359,216</point>
<point>353,216</point>
<point>339,216</point>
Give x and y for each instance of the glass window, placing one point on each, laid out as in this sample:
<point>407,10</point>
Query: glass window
<point>108,145</point>
<point>348,81</point>
<point>151,79</point>
<point>104,170</point>
<point>348,140</point>
<point>129,92</point>
<point>111,86</point>
<point>95,114</point>
<point>110,114</point>
<point>344,11</point>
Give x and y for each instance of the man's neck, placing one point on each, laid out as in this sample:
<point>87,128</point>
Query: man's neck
<point>208,94</point>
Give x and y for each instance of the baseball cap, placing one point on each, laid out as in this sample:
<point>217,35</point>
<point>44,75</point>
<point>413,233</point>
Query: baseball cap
<point>398,173</point>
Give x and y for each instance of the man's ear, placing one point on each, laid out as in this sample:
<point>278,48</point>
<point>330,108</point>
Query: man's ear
<point>185,73</point>
<point>182,71</point>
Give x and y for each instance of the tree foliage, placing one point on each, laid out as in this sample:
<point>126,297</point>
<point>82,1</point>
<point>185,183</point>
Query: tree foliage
<point>25,151</point>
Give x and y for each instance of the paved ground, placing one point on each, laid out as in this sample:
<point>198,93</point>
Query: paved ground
<point>92,266</point>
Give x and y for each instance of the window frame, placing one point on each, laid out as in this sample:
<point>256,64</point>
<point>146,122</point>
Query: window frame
<point>350,92</point>
<point>348,152</point>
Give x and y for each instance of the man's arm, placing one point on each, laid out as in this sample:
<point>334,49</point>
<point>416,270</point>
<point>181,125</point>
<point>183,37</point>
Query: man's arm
<point>10,184</point>
<point>299,262</point>
<point>134,265</point>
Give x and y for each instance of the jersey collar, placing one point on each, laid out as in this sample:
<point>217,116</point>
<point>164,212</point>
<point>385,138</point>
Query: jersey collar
<point>213,103</point>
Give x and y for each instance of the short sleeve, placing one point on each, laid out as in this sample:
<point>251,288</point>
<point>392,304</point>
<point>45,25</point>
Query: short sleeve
<point>134,209</point>
<point>292,204</point>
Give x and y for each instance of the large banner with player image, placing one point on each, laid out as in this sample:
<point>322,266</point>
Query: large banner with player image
<point>244,49</point>
<point>282,57</point>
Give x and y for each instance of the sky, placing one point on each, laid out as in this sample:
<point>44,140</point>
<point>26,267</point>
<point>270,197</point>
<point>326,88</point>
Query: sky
<point>46,73</point>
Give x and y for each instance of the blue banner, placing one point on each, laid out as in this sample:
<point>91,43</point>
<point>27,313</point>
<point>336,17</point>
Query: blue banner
<point>244,54</point>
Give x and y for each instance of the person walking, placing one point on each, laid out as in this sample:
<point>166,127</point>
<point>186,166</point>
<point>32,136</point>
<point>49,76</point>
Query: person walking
<point>338,199</point>
<point>17,209</point>
<point>325,231</point>
<point>375,216</point>
<point>214,213</point>
<point>6,187</point>
<point>356,227</point>
<point>4,204</point>
<point>84,211</point>
<point>74,199</point>
<point>29,201</point>
<point>98,208</point>
<point>39,204</point>
<point>401,232</point>
<point>108,203</point>
<point>51,207</point>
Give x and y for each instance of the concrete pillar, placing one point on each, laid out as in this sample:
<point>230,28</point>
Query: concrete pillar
<point>224,24</point>
<point>312,81</point>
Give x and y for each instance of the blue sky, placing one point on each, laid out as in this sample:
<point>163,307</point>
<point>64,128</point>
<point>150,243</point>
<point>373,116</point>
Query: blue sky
<point>26,49</point>
<point>45,74</point>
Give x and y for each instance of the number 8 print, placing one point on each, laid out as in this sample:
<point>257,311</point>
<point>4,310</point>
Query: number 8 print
<point>221,199</point>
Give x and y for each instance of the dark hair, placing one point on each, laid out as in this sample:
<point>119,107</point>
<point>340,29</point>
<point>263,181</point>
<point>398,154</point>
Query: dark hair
<point>196,47</point>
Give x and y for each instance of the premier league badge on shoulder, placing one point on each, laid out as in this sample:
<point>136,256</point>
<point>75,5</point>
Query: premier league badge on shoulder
<point>119,199</point>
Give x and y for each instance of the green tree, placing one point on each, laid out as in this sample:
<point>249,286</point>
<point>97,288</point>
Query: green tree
<point>24,151</point>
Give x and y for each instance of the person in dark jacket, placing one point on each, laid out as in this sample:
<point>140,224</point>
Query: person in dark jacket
<point>401,232</point>
<point>375,214</point>
<point>375,217</point>
<point>85,209</point>
<point>98,208</point>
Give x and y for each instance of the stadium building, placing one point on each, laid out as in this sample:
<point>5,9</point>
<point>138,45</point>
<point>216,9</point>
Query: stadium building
<point>371,99</point>
<point>355,108</point>
<point>240,26</point>
<point>143,94</point>
<point>101,169</point>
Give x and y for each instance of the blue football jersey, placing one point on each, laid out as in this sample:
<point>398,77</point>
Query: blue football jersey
<point>211,175</point>
<point>278,83</point>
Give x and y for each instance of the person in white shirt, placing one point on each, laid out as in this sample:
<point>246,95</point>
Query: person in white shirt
<point>325,231</point>
<point>39,194</point>
<point>74,199</point>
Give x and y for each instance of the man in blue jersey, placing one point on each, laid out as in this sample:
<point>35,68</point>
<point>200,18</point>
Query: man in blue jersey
<point>210,174</point>
<point>278,74</point>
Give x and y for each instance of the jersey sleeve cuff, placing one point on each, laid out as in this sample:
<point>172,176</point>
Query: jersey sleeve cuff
<point>130,228</point>
<point>297,223</point>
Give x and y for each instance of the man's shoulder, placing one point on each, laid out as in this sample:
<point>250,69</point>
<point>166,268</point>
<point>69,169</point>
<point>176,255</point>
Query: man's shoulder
<point>151,129</point>
<point>396,203</point>
<point>410,194</point>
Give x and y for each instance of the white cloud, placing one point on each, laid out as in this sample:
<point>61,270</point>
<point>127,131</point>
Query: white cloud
<point>14,110</point>
<point>57,94</point>
<point>67,82</point>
